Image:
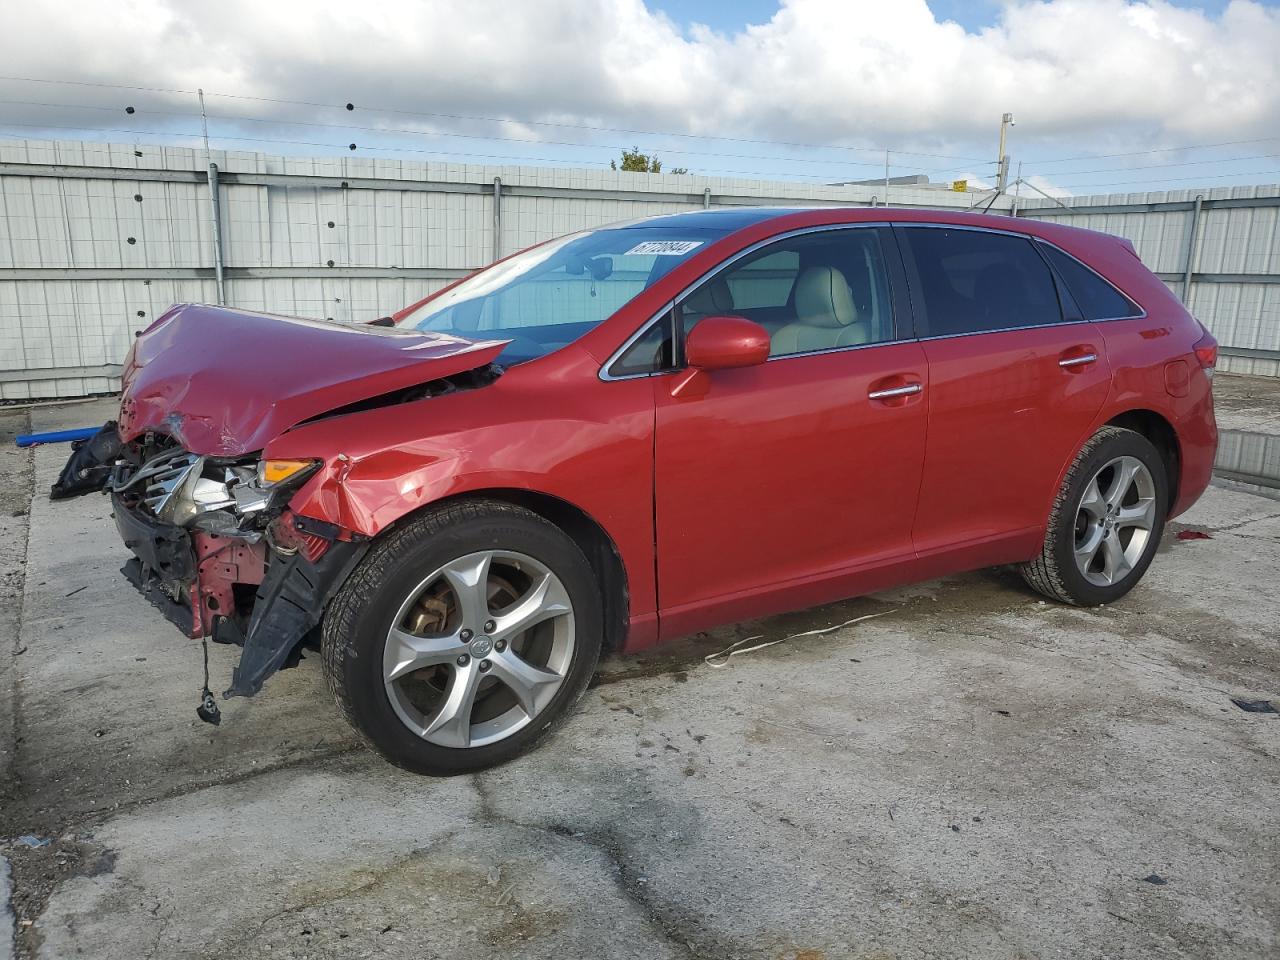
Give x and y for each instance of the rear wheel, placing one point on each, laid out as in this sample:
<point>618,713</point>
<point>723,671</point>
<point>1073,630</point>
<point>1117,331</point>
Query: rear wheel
<point>1106,521</point>
<point>463,637</point>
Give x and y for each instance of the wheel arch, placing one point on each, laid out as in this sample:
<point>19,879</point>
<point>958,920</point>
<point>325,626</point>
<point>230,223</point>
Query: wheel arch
<point>583,529</point>
<point>1160,432</point>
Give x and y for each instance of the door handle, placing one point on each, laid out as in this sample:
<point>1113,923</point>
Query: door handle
<point>1078,360</point>
<point>890,392</point>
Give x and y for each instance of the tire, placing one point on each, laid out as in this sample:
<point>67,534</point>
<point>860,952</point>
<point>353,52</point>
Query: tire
<point>406,692</point>
<point>1089,556</point>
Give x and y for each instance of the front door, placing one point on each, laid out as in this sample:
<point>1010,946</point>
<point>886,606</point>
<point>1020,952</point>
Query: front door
<point>793,482</point>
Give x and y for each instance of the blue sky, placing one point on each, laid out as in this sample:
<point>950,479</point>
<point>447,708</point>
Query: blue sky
<point>973,15</point>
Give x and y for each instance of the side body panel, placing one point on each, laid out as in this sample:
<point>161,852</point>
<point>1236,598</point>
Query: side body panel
<point>1141,350</point>
<point>784,485</point>
<point>1142,353</point>
<point>589,445</point>
<point>1003,418</point>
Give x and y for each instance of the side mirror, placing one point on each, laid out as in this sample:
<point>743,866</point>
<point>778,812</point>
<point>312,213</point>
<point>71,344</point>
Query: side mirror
<point>722,343</point>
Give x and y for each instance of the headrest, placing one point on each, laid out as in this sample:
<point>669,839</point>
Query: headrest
<point>823,298</point>
<point>710,298</point>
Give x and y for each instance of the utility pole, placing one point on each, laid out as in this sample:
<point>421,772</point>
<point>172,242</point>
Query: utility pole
<point>1002,162</point>
<point>886,178</point>
<point>204,125</point>
<point>211,170</point>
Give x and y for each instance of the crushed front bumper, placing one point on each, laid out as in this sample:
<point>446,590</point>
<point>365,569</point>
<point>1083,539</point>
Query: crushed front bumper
<point>289,602</point>
<point>163,566</point>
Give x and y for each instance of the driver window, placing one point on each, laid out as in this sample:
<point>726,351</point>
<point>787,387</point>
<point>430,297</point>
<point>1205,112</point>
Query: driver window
<point>814,292</point>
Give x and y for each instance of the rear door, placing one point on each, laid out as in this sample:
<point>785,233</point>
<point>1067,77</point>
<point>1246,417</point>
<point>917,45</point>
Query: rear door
<point>1015,382</point>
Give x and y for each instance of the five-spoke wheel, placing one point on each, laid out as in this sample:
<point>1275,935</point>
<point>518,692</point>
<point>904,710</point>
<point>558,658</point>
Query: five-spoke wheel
<point>479,648</point>
<point>463,636</point>
<point>1106,521</point>
<point>1114,521</point>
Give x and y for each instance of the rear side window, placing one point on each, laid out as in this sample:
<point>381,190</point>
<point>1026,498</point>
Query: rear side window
<point>1097,298</point>
<point>971,281</point>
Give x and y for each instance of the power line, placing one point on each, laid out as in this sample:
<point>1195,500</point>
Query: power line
<point>388,149</point>
<point>399,131</point>
<point>460,116</point>
<point>1220,176</point>
<point>1143,153</point>
<point>1163,166</point>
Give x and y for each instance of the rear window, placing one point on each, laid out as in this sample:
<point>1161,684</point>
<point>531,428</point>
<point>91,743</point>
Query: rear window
<point>1097,299</point>
<point>971,281</point>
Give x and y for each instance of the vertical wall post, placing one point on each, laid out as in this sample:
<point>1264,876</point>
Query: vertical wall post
<point>706,198</point>
<point>497,219</point>
<point>1191,249</point>
<point>216,221</point>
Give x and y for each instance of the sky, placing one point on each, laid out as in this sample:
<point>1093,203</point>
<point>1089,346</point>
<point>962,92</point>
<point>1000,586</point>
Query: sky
<point>1108,95</point>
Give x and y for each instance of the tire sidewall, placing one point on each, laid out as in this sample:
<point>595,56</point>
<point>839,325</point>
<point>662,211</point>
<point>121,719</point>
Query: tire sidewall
<point>1129,444</point>
<point>400,570</point>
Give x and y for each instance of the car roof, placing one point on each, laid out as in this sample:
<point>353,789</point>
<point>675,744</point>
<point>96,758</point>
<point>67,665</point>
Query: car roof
<point>728,221</point>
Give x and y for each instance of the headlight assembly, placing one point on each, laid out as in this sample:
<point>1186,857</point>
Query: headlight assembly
<point>272,473</point>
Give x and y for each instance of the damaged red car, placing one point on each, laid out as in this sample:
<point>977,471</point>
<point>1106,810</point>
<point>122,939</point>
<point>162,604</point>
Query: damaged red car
<point>645,430</point>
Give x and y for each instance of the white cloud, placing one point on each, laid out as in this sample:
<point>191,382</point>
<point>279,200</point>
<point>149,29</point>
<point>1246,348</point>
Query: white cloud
<point>854,71</point>
<point>1045,186</point>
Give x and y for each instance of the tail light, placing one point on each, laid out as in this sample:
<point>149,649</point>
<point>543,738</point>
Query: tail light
<point>1206,350</point>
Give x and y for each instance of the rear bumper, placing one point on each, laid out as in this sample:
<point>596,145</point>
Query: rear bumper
<point>1197,434</point>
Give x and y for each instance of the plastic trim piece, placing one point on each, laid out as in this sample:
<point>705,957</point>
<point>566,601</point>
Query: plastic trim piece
<point>291,600</point>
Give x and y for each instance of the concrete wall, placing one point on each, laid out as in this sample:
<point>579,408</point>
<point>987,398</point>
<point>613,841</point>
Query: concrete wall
<point>98,239</point>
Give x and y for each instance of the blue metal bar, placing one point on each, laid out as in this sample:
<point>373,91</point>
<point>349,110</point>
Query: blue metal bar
<point>56,436</point>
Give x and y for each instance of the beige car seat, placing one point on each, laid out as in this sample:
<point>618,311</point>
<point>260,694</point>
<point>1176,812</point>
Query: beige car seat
<point>826,315</point>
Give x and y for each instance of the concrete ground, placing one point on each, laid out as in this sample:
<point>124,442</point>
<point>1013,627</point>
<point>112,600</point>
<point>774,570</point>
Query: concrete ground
<point>976,773</point>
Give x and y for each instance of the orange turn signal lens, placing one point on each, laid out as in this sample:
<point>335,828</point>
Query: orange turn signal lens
<point>275,471</point>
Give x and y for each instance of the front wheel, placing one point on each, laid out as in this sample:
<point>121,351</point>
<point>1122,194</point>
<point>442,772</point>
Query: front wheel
<point>1106,521</point>
<point>463,637</point>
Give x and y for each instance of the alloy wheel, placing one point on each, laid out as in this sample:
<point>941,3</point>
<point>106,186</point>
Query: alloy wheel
<point>479,648</point>
<point>1114,521</point>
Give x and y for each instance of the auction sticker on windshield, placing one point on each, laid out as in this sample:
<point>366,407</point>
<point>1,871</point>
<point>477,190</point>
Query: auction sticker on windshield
<point>663,248</point>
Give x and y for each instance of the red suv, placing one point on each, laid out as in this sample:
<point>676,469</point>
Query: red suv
<point>637,432</point>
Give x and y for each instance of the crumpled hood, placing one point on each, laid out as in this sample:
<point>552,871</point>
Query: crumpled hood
<point>224,382</point>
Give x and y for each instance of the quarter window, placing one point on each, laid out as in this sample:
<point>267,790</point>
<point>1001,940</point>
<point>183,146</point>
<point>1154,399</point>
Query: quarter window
<point>1098,299</point>
<point>971,281</point>
<point>650,352</point>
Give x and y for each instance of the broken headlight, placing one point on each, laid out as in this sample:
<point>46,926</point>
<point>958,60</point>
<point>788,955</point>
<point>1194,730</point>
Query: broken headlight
<point>273,484</point>
<point>217,495</point>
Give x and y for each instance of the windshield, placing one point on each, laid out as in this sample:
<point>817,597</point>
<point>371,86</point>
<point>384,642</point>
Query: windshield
<point>549,296</point>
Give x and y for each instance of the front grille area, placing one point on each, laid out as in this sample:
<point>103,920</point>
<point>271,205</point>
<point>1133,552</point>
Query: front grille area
<point>157,479</point>
<point>170,472</point>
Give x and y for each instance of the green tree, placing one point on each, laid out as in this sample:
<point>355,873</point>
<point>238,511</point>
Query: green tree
<point>638,162</point>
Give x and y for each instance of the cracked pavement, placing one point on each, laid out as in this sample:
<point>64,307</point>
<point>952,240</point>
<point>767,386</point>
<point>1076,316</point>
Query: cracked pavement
<point>977,773</point>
